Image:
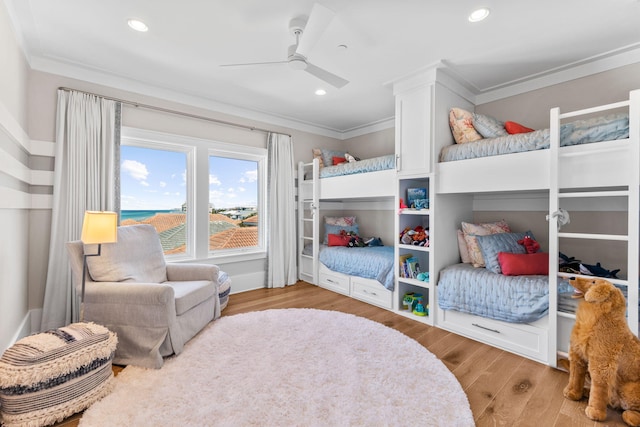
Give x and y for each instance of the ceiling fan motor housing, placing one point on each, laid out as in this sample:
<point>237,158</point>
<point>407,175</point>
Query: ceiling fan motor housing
<point>296,61</point>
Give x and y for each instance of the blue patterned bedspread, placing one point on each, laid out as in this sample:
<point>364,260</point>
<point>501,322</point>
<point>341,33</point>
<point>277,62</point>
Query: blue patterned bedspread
<point>517,299</point>
<point>370,262</point>
<point>604,128</point>
<point>361,166</point>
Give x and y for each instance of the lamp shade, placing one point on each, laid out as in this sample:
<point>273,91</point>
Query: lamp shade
<point>99,227</point>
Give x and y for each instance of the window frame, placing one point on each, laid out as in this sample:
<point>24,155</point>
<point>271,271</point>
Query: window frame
<point>198,151</point>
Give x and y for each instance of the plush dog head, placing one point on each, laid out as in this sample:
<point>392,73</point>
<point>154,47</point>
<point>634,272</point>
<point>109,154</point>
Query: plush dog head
<point>599,294</point>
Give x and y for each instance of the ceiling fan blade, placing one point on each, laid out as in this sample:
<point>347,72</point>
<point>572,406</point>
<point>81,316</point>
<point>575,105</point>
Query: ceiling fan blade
<point>319,20</point>
<point>253,63</point>
<point>328,77</point>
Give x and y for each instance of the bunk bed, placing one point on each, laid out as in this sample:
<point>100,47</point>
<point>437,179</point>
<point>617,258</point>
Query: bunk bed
<point>594,143</point>
<point>365,273</point>
<point>602,165</point>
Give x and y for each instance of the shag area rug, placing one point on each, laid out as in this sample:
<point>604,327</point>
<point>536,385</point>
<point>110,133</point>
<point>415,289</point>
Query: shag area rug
<point>289,367</point>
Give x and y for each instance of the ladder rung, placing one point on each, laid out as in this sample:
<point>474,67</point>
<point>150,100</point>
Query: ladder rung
<point>621,282</point>
<point>307,219</point>
<point>618,193</point>
<point>593,236</point>
<point>594,109</point>
<point>307,238</point>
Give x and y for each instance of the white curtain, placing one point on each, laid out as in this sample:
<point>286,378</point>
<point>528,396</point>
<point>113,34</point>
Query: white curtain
<point>86,177</point>
<point>281,252</point>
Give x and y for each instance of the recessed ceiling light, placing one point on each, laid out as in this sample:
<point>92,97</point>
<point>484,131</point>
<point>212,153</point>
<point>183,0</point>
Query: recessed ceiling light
<point>138,25</point>
<point>479,14</point>
<point>321,92</point>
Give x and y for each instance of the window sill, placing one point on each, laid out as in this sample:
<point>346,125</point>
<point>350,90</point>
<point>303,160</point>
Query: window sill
<point>223,257</point>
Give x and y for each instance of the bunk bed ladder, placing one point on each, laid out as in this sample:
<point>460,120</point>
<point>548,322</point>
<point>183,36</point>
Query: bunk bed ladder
<point>308,221</point>
<point>557,217</point>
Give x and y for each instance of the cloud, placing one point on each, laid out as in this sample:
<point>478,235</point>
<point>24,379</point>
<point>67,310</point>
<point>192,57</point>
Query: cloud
<point>214,180</point>
<point>135,169</point>
<point>250,176</point>
<point>162,184</point>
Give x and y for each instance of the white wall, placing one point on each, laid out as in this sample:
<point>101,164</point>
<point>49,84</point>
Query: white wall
<point>15,178</point>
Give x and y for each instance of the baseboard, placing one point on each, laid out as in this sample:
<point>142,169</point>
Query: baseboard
<point>26,328</point>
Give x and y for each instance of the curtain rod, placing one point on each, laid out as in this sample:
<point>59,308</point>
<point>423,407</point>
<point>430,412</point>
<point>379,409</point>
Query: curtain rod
<point>169,111</point>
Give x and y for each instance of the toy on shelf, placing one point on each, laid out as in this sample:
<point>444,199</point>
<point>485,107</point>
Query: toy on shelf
<point>407,301</point>
<point>419,308</point>
<point>424,276</point>
<point>418,236</point>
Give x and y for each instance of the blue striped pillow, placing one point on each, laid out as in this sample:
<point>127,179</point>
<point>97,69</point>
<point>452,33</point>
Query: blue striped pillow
<point>493,244</point>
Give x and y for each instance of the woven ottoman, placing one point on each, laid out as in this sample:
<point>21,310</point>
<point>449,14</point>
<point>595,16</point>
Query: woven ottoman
<point>224,288</point>
<point>47,377</point>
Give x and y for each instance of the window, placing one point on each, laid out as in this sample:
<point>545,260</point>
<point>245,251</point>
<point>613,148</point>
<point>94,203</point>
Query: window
<point>205,198</point>
<point>233,198</point>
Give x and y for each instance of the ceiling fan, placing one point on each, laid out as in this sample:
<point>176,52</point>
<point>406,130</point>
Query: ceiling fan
<point>307,33</point>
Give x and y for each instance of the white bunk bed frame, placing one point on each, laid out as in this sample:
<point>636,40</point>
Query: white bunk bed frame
<point>311,192</point>
<point>603,169</point>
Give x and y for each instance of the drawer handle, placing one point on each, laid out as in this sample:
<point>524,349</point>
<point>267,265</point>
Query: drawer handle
<point>370,293</point>
<point>484,327</point>
<point>331,281</point>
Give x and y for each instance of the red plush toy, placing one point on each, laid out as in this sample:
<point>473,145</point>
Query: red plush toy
<point>529,244</point>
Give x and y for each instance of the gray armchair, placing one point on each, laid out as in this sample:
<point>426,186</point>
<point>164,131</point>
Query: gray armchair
<point>154,307</point>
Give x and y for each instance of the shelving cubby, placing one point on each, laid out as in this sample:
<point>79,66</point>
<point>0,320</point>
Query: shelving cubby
<point>412,218</point>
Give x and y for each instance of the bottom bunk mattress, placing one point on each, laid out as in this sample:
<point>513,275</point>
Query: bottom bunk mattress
<point>517,299</point>
<point>370,262</point>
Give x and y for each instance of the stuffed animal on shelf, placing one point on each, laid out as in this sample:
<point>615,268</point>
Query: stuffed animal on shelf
<point>418,236</point>
<point>603,345</point>
<point>529,244</point>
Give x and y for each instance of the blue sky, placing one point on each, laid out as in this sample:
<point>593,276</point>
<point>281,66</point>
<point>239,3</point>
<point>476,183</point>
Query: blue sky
<point>155,180</point>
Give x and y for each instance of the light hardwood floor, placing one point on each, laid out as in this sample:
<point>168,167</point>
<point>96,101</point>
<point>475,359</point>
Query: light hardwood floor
<point>503,389</point>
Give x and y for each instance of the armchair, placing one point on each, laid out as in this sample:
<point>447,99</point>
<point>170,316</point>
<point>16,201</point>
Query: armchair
<point>154,307</point>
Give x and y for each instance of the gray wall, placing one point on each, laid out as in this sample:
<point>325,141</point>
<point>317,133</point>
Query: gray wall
<point>532,108</point>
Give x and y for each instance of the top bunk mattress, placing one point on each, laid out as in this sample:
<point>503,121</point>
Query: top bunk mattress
<point>596,129</point>
<point>361,166</point>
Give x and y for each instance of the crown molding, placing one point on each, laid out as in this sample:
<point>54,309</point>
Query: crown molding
<point>617,58</point>
<point>99,77</point>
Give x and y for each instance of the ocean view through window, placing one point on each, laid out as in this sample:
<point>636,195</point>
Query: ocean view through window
<point>153,191</point>
<point>164,183</point>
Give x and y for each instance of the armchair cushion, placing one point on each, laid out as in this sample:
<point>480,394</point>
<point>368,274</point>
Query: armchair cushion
<point>179,272</point>
<point>137,257</point>
<point>191,293</point>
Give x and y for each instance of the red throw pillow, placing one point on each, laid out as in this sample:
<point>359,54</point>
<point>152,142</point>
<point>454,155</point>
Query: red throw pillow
<point>513,127</point>
<point>338,160</point>
<point>523,264</point>
<point>338,240</point>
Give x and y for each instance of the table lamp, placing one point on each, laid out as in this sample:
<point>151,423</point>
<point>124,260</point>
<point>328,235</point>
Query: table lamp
<point>98,227</point>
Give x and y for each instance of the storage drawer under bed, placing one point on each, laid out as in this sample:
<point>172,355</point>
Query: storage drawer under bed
<point>371,291</point>
<point>526,339</point>
<point>336,282</point>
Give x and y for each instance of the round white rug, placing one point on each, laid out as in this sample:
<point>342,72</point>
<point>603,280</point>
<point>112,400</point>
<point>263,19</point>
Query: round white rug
<point>301,367</point>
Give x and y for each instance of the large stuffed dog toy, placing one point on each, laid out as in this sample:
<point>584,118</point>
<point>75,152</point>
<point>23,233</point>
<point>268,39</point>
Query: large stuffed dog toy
<point>603,345</point>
